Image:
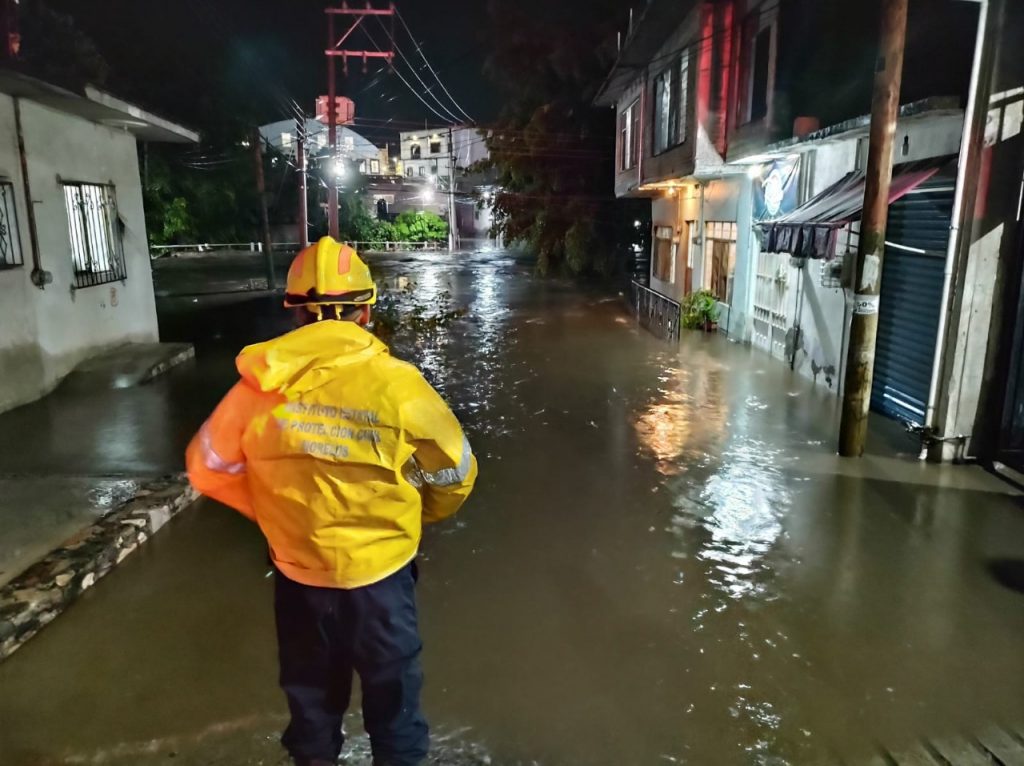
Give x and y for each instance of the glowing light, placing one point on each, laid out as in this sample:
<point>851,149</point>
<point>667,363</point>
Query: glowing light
<point>753,172</point>
<point>339,169</point>
<point>636,224</point>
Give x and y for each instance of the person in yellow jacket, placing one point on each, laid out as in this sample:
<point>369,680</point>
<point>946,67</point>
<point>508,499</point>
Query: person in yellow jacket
<point>340,453</point>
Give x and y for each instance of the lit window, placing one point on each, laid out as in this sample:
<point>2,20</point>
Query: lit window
<point>664,254</point>
<point>375,167</point>
<point>666,110</point>
<point>94,230</point>
<point>720,258</point>
<point>286,139</point>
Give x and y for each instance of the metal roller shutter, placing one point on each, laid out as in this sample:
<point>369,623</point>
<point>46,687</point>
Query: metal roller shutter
<point>909,305</point>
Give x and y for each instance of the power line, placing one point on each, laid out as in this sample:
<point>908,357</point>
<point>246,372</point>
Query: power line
<point>419,48</point>
<point>415,74</point>
<point>406,82</point>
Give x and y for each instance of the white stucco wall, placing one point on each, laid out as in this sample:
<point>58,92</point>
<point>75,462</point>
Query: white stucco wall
<point>45,333</point>
<point>822,313</point>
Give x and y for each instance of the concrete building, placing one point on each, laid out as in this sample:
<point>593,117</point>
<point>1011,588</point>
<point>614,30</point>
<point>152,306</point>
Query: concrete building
<point>74,258</point>
<point>353,148</point>
<point>428,156</point>
<point>719,109</point>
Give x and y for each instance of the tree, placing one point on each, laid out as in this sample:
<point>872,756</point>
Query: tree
<point>552,150</point>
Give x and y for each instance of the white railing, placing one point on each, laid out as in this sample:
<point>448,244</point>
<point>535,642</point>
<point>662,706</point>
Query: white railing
<point>165,251</point>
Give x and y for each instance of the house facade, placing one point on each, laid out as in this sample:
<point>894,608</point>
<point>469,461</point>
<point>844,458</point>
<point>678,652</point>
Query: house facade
<point>729,122</point>
<point>75,274</point>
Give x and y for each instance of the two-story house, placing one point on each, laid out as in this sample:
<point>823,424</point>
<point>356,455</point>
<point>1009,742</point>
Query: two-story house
<point>745,122</point>
<point>670,90</point>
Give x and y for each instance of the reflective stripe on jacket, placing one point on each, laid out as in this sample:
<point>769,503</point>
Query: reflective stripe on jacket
<point>337,450</point>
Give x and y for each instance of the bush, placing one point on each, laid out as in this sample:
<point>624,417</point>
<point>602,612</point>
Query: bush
<point>420,226</point>
<point>699,309</point>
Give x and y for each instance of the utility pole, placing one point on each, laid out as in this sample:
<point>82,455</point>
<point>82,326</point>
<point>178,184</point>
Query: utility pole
<point>453,229</point>
<point>332,133</point>
<point>261,190</point>
<point>860,362</point>
<point>333,51</point>
<point>300,155</point>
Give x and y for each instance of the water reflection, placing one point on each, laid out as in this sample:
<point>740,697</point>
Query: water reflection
<point>733,518</point>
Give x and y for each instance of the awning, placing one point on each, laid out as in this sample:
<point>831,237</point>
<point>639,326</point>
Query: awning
<point>812,230</point>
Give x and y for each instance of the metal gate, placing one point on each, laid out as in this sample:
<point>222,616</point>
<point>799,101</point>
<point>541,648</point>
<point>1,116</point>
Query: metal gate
<point>908,319</point>
<point>1011,441</point>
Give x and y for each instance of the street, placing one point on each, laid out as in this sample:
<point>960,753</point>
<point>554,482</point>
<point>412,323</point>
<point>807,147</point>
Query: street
<point>663,562</point>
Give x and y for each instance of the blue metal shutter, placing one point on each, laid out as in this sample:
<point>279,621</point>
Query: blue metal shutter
<point>908,317</point>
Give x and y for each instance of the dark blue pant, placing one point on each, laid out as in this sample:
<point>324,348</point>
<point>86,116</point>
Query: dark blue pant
<point>323,635</point>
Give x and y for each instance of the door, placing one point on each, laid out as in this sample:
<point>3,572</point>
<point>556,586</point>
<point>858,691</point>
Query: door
<point>911,296</point>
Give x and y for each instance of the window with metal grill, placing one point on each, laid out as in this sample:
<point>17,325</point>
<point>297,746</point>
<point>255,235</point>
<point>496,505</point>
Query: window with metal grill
<point>95,232</point>
<point>10,238</point>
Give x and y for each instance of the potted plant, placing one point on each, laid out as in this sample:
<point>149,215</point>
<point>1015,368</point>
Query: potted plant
<point>700,311</point>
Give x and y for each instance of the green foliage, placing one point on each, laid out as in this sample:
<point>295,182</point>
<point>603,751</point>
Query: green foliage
<point>420,226</point>
<point>552,151</point>
<point>699,309</point>
<point>55,49</point>
<point>188,201</point>
<point>359,226</point>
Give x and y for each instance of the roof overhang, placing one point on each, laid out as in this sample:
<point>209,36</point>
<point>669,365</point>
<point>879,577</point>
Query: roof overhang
<point>96,106</point>
<point>858,127</point>
<point>657,22</point>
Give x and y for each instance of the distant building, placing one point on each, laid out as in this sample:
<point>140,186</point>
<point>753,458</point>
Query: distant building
<point>75,274</point>
<point>368,158</point>
<point>446,160</point>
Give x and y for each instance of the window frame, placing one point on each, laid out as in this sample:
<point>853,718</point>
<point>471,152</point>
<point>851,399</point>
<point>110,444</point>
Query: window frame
<point>10,229</point>
<point>415,152</point>
<point>437,144</point>
<point>629,136</point>
<point>83,226</point>
<point>757,28</point>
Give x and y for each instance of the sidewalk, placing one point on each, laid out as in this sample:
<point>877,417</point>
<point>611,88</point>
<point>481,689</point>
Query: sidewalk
<point>81,478</point>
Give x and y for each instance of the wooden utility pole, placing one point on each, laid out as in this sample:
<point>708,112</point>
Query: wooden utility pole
<point>332,133</point>
<point>300,156</point>
<point>860,361</point>
<point>333,51</point>
<point>261,190</point>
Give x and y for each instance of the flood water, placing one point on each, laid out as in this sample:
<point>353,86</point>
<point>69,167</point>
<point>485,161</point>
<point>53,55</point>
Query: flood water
<point>663,562</point>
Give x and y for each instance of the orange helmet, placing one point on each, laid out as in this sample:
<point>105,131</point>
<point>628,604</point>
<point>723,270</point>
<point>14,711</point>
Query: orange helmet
<point>329,273</point>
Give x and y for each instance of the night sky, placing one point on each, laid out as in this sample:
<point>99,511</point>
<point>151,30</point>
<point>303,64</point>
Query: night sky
<point>177,56</point>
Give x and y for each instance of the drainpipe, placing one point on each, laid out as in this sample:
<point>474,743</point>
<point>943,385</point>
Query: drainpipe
<point>969,147</point>
<point>40,277</point>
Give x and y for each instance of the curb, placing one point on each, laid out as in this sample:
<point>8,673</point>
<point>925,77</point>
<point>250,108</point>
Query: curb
<point>173,361</point>
<point>35,597</point>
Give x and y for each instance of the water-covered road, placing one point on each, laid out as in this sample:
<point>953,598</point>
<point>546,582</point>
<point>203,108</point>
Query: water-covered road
<point>663,563</point>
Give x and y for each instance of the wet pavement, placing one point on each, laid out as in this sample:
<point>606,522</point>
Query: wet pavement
<point>663,561</point>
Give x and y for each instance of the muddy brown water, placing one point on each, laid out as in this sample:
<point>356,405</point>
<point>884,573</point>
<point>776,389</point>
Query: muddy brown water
<point>663,562</point>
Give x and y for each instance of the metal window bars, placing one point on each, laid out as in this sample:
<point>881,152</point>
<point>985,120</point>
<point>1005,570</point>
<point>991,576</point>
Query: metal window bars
<point>660,315</point>
<point>11,254</point>
<point>97,251</point>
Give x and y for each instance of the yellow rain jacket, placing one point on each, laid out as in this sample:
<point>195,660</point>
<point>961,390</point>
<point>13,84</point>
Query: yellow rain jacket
<point>337,450</point>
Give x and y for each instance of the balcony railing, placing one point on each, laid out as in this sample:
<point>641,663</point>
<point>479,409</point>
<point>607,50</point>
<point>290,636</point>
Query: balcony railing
<point>657,313</point>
